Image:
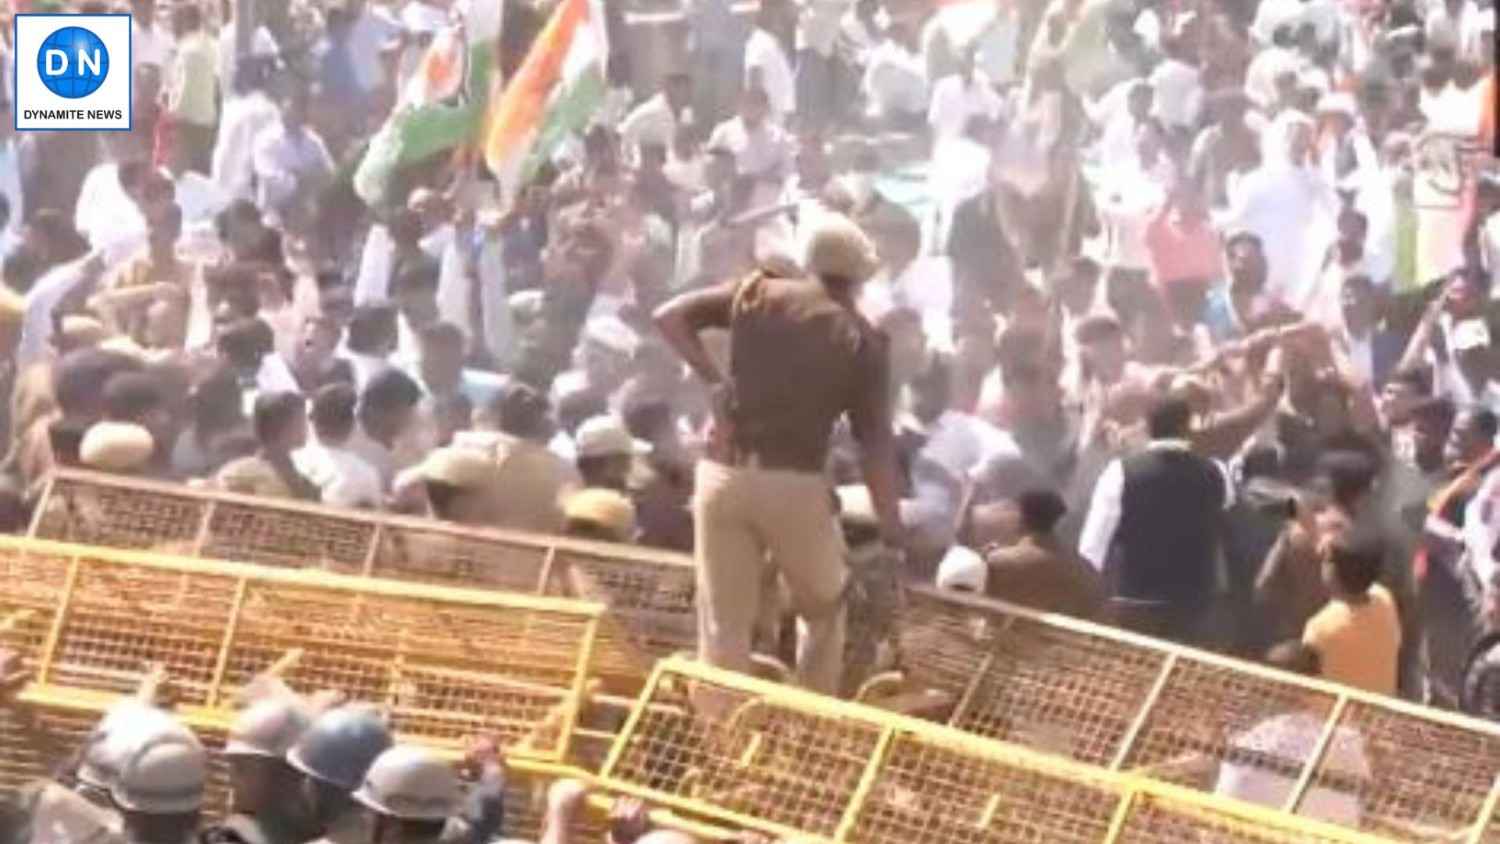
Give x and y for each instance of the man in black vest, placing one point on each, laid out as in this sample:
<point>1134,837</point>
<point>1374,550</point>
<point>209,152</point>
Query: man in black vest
<point>1155,520</point>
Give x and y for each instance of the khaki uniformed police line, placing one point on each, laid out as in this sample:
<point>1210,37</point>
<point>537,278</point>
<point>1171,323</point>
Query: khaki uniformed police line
<point>1066,688</point>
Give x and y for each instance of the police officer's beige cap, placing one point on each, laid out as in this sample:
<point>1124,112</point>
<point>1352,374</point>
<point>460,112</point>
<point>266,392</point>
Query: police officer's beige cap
<point>840,249</point>
<point>605,508</point>
<point>458,467</point>
<point>116,446</point>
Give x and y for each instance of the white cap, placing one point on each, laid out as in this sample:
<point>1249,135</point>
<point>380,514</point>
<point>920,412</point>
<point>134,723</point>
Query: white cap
<point>164,776</point>
<point>962,569</point>
<point>410,783</point>
<point>605,436</point>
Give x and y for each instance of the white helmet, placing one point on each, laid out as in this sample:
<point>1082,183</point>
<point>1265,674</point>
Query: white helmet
<point>268,728</point>
<point>126,726</point>
<point>164,776</point>
<point>411,784</point>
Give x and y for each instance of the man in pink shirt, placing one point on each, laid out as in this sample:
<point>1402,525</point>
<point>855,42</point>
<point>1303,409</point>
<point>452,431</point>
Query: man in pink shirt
<point>1185,253</point>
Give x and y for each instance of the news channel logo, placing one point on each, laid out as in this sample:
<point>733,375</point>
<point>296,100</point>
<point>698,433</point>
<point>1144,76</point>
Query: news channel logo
<point>72,72</point>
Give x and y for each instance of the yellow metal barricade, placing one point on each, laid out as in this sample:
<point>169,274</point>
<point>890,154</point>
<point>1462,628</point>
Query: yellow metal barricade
<point>1085,692</point>
<point>648,593</point>
<point>446,663</point>
<point>750,754</point>
<point>1104,696</point>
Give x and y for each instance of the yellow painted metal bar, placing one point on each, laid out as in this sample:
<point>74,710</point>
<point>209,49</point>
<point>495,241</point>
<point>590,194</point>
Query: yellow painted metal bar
<point>633,720</point>
<point>1487,815</point>
<point>205,523</point>
<point>40,511</point>
<point>1315,760</point>
<point>1122,814</point>
<point>307,578</point>
<point>580,684</point>
<point>865,786</point>
<point>54,634</point>
<point>1127,742</point>
<point>221,662</point>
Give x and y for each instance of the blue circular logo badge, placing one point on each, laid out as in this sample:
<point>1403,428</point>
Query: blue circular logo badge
<point>73,62</point>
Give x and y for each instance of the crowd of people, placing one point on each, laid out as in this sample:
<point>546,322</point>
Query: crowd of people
<point>1173,315</point>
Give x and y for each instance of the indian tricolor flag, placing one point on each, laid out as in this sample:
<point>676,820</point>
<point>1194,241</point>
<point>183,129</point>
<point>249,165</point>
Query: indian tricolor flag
<point>554,93</point>
<point>441,108</point>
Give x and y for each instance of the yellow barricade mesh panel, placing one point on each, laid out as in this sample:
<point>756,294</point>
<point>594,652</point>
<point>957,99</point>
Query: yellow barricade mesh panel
<point>446,672</point>
<point>925,792</point>
<point>651,609</point>
<point>119,516</point>
<point>1030,683</point>
<point>248,533</point>
<point>119,618</point>
<point>449,556</point>
<point>789,767</point>
<point>447,663</point>
<point>1226,716</point>
<point>1157,820</point>
<point>713,744</point>
<point>1423,775</point>
<point>650,595</point>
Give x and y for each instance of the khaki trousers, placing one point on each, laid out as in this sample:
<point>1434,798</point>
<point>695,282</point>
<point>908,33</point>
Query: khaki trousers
<point>749,523</point>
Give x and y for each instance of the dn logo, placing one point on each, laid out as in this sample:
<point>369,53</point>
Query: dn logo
<point>73,62</point>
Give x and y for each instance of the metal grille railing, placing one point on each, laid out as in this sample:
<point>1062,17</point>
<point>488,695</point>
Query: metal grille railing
<point>446,663</point>
<point>1086,692</point>
<point>755,755</point>
<point>1099,695</point>
<point>649,594</point>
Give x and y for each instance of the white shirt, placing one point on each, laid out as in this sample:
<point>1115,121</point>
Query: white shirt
<point>105,214</point>
<point>651,122</point>
<point>10,186</point>
<point>1482,531</point>
<point>241,120</point>
<point>956,101</point>
<point>1107,505</point>
<point>371,31</point>
<point>764,53</point>
<point>275,376</point>
<point>1260,77</point>
<point>345,478</point>
<point>895,81</point>
<point>818,26</point>
<point>365,367</point>
<point>1127,199</point>
<point>150,46</point>
<point>283,161</point>
<point>765,151</point>
<point>995,47</point>
<point>377,262</point>
<point>261,44</point>
<point>1179,93</point>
